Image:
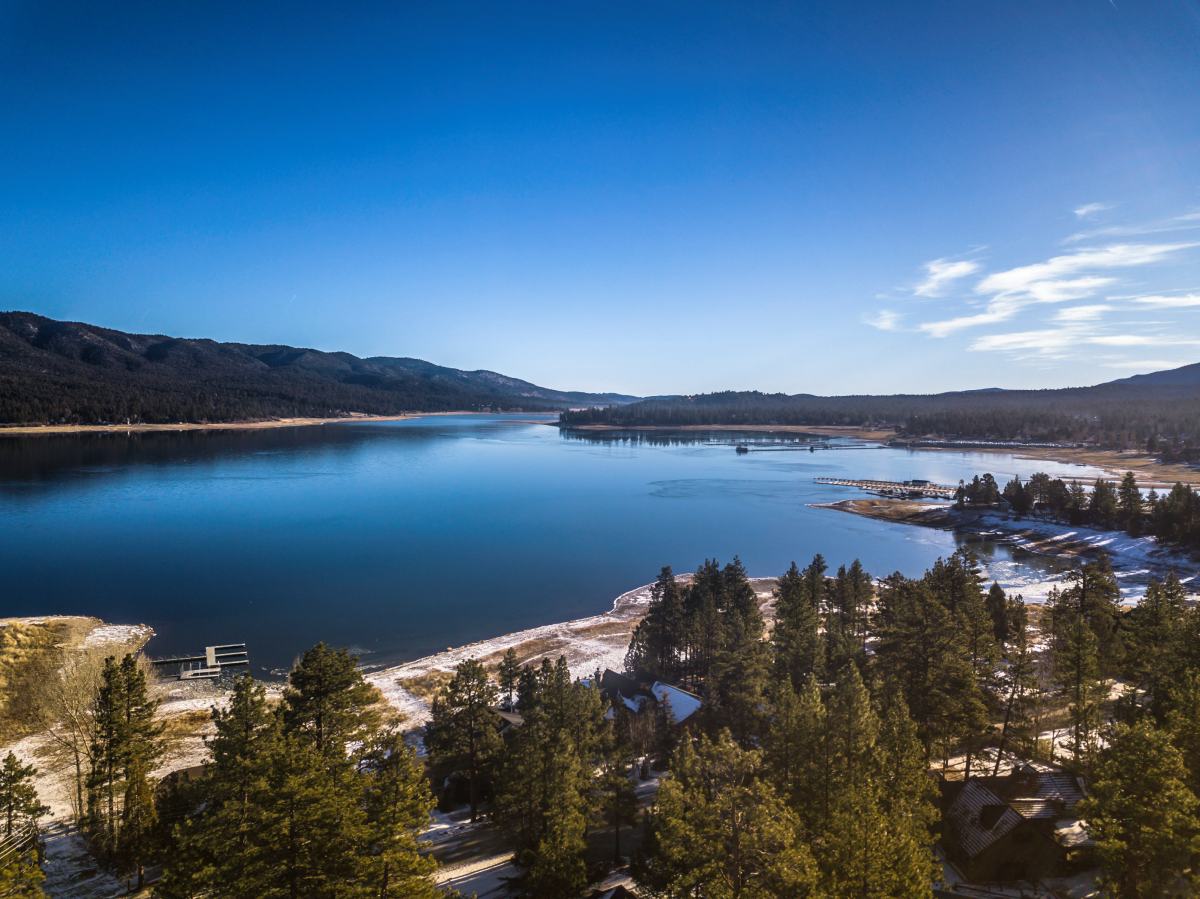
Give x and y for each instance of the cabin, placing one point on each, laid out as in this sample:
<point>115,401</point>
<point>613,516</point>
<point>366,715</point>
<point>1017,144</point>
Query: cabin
<point>640,693</point>
<point>1020,826</point>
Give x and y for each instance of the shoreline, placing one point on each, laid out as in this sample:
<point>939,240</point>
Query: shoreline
<point>852,431</point>
<point>1148,469</point>
<point>247,425</point>
<point>1134,559</point>
<point>592,643</point>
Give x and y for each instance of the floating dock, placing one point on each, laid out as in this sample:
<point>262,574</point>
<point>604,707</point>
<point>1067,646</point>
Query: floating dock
<point>905,489</point>
<point>212,663</point>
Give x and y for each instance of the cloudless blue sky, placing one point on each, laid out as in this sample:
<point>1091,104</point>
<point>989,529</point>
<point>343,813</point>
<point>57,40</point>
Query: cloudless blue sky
<point>648,197</point>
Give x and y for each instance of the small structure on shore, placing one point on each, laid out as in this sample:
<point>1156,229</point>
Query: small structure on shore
<point>212,663</point>
<point>911,489</point>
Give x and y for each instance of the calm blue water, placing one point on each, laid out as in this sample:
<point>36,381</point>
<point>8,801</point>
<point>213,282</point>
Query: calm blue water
<point>402,538</point>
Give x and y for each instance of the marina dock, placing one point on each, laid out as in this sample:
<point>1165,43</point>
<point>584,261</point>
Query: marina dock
<point>903,489</point>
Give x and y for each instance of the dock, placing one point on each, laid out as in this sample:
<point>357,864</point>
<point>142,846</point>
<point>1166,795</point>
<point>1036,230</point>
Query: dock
<point>904,489</point>
<point>212,663</point>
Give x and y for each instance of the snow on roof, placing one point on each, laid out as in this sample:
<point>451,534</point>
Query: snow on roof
<point>980,818</point>
<point>680,703</point>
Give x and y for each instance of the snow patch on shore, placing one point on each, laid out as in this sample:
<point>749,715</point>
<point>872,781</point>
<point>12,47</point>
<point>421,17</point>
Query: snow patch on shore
<point>1135,560</point>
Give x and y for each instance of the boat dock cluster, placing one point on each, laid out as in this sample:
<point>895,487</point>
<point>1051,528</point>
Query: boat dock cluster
<point>913,489</point>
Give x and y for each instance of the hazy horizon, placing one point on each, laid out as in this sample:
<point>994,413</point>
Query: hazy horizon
<point>677,199</point>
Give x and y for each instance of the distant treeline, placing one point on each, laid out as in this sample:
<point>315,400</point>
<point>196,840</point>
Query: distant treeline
<point>1162,418</point>
<point>54,372</point>
<point>1172,517</point>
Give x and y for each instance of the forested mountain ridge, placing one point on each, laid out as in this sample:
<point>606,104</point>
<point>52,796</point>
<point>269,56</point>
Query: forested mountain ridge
<point>1160,411</point>
<point>74,373</point>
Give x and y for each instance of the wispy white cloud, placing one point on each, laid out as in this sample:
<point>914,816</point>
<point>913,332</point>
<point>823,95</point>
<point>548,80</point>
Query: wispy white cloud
<point>1169,301</point>
<point>941,273</point>
<point>1041,341</point>
<point>1185,222</point>
<point>1023,278</point>
<point>1072,336</point>
<point>884,320</point>
<point>1087,210</point>
<point>1060,279</point>
<point>1083,313</point>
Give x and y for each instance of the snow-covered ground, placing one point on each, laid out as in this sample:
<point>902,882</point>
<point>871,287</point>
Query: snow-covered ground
<point>1135,560</point>
<point>590,644</point>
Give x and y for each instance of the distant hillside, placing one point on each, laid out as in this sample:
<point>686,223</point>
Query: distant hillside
<point>68,372</point>
<point>1187,376</point>
<point>1160,411</point>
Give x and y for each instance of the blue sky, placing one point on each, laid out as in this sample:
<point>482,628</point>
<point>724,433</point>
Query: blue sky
<point>648,197</point>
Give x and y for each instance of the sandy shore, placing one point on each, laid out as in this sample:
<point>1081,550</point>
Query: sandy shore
<point>593,643</point>
<point>39,430</point>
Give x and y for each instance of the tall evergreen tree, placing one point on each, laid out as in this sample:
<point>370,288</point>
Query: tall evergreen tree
<point>1157,643</point>
<point>1142,815</point>
<point>544,792</point>
<point>659,639</point>
<point>328,702</point>
<point>398,803</point>
<point>20,875</point>
<point>1075,654</point>
<point>1130,508</point>
<point>509,675</point>
<point>720,831</point>
<point>798,649</point>
<point>462,731</point>
<point>19,805</point>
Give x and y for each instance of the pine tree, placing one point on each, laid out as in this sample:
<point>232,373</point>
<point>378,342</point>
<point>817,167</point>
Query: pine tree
<point>1157,643</point>
<point>1129,505</point>
<point>658,641</point>
<point>462,729</point>
<point>1183,723</point>
<point>796,753</point>
<point>1075,651</point>
<point>1142,815</point>
<point>1102,507</point>
<point>126,744</point>
<point>544,785</point>
<point>921,647</point>
<point>310,825</point>
<point>1020,677</point>
<point>398,803</point>
<point>221,845</point>
<point>141,750</point>
<point>875,845</point>
<point>328,702</point>
<point>720,831</point>
<point>20,876</point>
<point>19,805</point>
<point>997,608</point>
<point>796,638</point>
<point>509,675</point>
<point>104,781</point>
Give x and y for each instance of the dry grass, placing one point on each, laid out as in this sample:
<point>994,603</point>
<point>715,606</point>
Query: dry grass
<point>426,686</point>
<point>29,651</point>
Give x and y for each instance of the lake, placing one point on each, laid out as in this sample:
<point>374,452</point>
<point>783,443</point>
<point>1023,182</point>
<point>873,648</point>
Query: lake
<point>401,538</point>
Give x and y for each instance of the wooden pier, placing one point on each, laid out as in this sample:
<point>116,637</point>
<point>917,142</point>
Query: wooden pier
<point>210,664</point>
<point>905,489</point>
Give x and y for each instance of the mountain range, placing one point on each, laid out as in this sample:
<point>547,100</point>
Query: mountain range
<point>75,373</point>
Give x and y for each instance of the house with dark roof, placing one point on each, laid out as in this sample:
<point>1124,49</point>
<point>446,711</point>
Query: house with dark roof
<point>641,694</point>
<point>1021,826</point>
